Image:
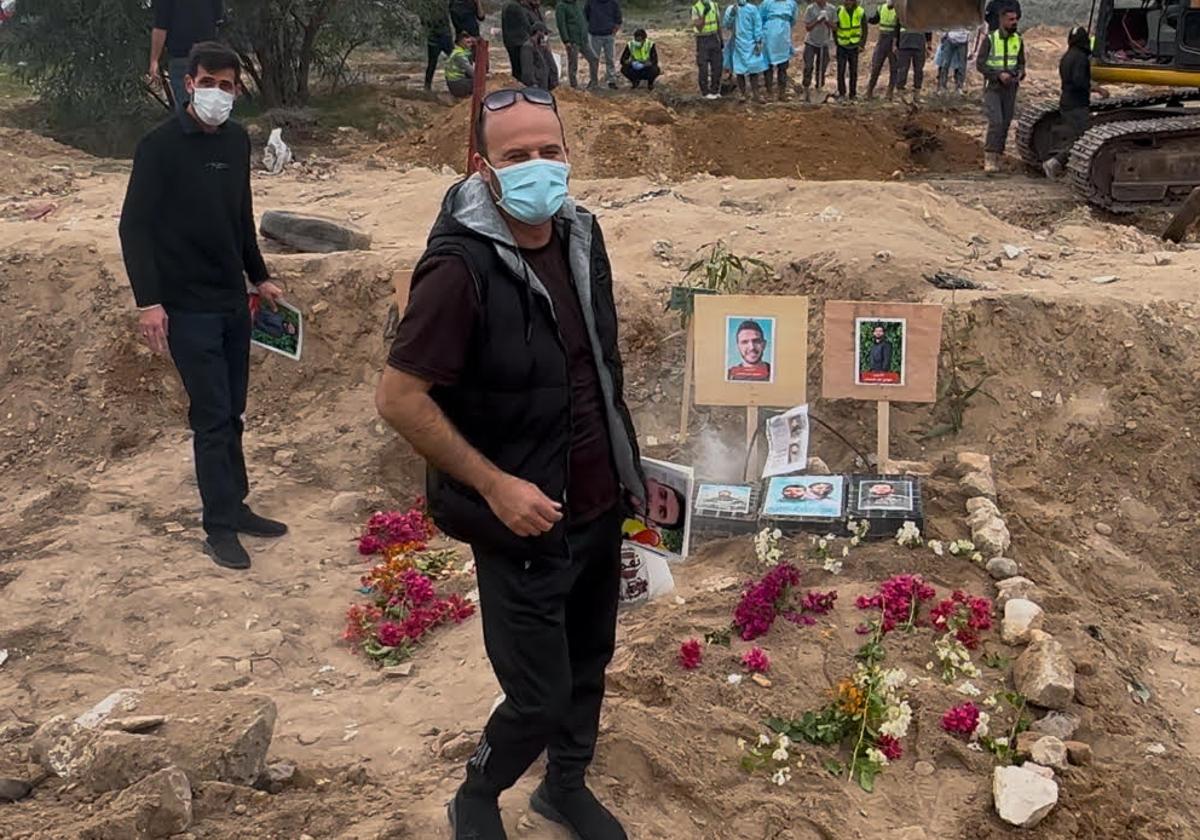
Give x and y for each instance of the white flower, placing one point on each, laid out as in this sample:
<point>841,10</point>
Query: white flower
<point>909,535</point>
<point>877,757</point>
<point>741,742</point>
<point>975,746</point>
<point>823,543</point>
<point>781,776</point>
<point>893,678</point>
<point>954,549</point>
<point>780,754</point>
<point>977,558</point>
<point>989,701</point>
<point>855,540</point>
<point>981,728</point>
<point>833,565</point>
<point>764,740</point>
<point>784,742</point>
<point>776,534</point>
<point>734,679</point>
<point>896,720</point>
<point>969,689</point>
<point>1002,742</point>
<point>936,547</point>
<point>928,666</point>
<point>845,551</point>
<point>971,670</point>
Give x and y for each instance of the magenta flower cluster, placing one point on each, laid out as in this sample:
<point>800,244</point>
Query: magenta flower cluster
<point>410,530</point>
<point>756,661</point>
<point>967,615</point>
<point>899,598</point>
<point>766,599</point>
<point>961,720</point>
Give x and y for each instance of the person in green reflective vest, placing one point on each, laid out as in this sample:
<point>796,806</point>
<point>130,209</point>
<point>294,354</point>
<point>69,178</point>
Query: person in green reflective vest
<point>1001,60</point>
<point>706,23</point>
<point>639,61</point>
<point>851,35</point>
<point>888,20</point>
<point>460,70</point>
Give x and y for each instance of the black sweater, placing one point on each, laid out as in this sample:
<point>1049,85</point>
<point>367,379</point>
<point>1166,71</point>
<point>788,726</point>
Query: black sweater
<point>187,227</point>
<point>1075,70</point>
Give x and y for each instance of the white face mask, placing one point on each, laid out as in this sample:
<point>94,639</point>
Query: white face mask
<point>212,105</point>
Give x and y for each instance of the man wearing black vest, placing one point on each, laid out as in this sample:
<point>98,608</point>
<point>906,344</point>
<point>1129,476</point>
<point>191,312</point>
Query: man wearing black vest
<point>505,375</point>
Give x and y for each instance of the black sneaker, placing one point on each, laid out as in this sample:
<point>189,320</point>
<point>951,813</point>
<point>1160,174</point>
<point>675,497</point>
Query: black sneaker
<point>226,551</point>
<point>577,809</point>
<point>253,525</point>
<point>474,817</point>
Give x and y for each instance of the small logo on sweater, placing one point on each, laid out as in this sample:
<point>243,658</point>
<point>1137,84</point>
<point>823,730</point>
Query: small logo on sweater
<point>216,166</point>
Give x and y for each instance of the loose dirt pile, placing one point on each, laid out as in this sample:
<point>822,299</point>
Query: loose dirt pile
<point>102,585</point>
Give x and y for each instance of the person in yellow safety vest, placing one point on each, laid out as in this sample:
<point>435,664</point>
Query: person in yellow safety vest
<point>706,22</point>
<point>851,36</point>
<point>459,69</point>
<point>1001,60</point>
<point>888,20</point>
<point>639,61</point>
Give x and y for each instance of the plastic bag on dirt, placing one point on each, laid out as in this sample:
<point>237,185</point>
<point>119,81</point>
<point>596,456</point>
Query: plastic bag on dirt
<point>560,64</point>
<point>277,155</point>
<point>644,575</point>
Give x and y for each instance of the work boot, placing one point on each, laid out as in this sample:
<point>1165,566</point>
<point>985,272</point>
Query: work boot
<point>226,550</point>
<point>474,817</point>
<point>253,525</point>
<point>1052,168</point>
<point>808,95</point>
<point>579,811</point>
<point>991,163</point>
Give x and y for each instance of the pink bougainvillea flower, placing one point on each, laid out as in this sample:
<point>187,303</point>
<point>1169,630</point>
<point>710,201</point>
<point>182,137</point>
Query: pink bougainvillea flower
<point>961,719</point>
<point>756,661</point>
<point>966,615</point>
<point>899,598</point>
<point>389,634</point>
<point>690,654</point>
<point>889,746</point>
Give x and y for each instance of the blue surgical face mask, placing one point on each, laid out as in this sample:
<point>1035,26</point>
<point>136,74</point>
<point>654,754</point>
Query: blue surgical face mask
<point>533,191</point>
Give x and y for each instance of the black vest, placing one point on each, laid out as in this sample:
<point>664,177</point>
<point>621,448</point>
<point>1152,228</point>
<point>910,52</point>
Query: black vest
<point>513,400</point>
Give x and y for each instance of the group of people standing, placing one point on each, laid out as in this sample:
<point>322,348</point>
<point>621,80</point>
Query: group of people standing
<point>759,49</point>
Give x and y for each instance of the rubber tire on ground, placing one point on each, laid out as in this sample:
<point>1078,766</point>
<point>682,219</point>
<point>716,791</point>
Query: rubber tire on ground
<point>313,234</point>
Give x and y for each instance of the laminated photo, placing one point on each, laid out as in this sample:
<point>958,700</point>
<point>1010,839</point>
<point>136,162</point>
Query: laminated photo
<point>664,527</point>
<point>880,347</point>
<point>749,349</point>
<point>804,496</point>
<point>728,499</point>
<point>884,495</point>
<point>787,442</point>
<point>279,330</point>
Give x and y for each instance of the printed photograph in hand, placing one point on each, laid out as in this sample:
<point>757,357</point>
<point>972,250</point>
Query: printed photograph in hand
<point>664,524</point>
<point>723,498</point>
<point>885,495</point>
<point>879,351</point>
<point>749,349</point>
<point>804,496</point>
<point>281,330</point>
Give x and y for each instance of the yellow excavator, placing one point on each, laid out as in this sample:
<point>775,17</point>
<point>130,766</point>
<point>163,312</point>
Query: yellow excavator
<point>1141,150</point>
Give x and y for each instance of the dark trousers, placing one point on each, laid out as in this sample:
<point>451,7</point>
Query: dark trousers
<point>847,64</point>
<point>549,627</point>
<point>999,103</point>
<point>914,59</point>
<point>816,60</point>
<point>434,52</point>
<point>573,53</point>
<point>708,60</point>
<point>781,70</point>
<point>514,60</point>
<point>885,52</point>
<point>465,21</point>
<point>647,74</point>
<point>1075,121</point>
<point>211,351</point>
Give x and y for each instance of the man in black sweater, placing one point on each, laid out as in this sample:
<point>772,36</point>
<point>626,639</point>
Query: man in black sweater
<point>188,238</point>
<point>1075,71</point>
<point>178,26</point>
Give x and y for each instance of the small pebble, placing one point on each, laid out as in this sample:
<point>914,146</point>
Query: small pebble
<point>240,810</point>
<point>1104,529</point>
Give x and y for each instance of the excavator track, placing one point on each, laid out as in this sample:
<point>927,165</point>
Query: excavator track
<point>1032,118</point>
<point>1093,166</point>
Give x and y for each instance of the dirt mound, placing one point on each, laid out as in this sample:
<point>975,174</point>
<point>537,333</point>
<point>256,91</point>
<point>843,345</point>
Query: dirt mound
<point>623,138</point>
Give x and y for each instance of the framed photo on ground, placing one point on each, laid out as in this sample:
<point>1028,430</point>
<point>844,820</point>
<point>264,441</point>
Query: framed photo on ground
<point>665,526</point>
<point>886,502</point>
<point>751,350</point>
<point>881,351</point>
<point>804,497</point>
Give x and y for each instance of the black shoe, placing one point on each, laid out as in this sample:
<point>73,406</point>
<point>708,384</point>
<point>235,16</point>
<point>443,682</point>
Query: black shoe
<point>650,85</point>
<point>579,811</point>
<point>474,817</point>
<point>226,551</point>
<point>636,83</point>
<point>253,525</point>
<point>612,85</point>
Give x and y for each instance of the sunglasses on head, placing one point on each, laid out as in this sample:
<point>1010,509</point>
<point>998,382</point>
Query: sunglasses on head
<point>501,99</point>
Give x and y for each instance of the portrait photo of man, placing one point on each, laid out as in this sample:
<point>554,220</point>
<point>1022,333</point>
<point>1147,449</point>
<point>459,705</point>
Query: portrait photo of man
<point>749,350</point>
<point>879,351</point>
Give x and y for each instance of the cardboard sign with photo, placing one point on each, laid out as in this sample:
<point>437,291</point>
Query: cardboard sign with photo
<point>751,350</point>
<point>664,527</point>
<point>885,352</point>
<point>804,497</point>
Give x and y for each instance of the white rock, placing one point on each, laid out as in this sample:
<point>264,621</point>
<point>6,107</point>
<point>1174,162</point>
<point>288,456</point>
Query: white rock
<point>1044,673</point>
<point>1002,568</point>
<point>1012,251</point>
<point>1105,279</point>
<point>1041,769</point>
<point>1155,749</point>
<point>347,503</point>
<point>1049,752</point>
<point>284,457</point>
<point>979,484</point>
<point>1059,724</point>
<point>982,503</point>
<point>1023,797</point>
<point>992,538</point>
<point>1016,587</point>
<point>974,462</point>
<point>1020,616</point>
<point>124,700</point>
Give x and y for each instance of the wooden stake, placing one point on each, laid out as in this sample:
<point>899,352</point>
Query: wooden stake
<point>751,440</point>
<point>689,361</point>
<point>883,454</point>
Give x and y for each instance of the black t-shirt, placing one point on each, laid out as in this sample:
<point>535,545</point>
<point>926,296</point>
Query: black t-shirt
<point>188,22</point>
<point>443,294</point>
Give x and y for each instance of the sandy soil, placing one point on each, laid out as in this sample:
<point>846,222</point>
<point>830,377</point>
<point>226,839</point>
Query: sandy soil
<point>1093,389</point>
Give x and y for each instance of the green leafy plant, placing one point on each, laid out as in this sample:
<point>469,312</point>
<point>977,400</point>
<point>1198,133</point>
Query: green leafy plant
<point>717,271</point>
<point>998,661</point>
<point>720,637</point>
<point>961,378</point>
<point>1005,748</point>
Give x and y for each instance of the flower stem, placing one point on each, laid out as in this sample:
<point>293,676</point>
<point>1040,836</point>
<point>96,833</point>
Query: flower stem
<point>862,730</point>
